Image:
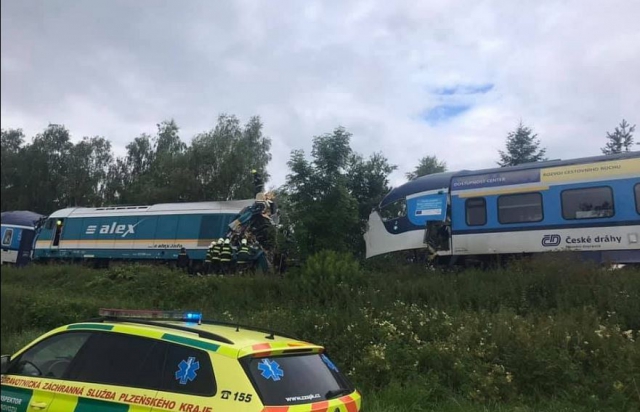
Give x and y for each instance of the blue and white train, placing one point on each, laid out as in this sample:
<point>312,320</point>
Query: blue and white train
<point>18,233</point>
<point>135,233</point>
<point>587,205</point>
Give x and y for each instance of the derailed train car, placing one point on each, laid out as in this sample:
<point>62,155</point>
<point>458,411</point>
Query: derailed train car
<point>154,233</point>
<point>590,206</point>
<point>18,233</point>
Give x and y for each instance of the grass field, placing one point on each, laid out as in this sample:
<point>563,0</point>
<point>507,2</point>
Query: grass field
<point>544,335</point>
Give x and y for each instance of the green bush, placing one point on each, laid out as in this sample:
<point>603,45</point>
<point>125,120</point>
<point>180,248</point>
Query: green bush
<point>328,276</point>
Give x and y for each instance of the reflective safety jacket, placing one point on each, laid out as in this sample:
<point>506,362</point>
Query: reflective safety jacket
<point>226,253</point>
<point>215,253</point>
<point>243,254</point>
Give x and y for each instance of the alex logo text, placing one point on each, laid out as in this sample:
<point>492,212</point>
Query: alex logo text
<point>113,228</point>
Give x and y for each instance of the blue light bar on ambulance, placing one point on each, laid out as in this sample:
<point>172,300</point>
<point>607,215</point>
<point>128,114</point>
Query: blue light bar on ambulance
<point>188,316</point>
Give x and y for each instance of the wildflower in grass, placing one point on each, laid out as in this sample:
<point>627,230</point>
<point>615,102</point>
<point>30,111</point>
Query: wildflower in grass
<point>509,377</point>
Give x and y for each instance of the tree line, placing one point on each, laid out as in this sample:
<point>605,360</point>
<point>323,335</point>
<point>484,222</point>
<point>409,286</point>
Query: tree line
<point>325,201</point>
<point>52,172</point>
<point>523,146</point>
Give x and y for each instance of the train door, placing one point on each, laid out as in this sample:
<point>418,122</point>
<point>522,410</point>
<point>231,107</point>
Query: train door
<point>26,247</point>
<point>57,233</point>
<point>437,235</point>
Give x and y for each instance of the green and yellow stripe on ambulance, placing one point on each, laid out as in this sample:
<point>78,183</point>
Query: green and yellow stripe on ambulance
<point>349,403</point>
<point>21,394</point>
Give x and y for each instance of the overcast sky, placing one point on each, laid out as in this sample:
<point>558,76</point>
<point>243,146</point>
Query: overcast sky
<point>407,78</point>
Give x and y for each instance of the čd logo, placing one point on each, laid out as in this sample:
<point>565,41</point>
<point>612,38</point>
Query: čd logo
<point>551,240</point>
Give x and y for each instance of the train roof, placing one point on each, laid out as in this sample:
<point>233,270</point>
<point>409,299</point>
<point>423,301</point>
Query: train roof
<point>552,163</point>
<point>433,181</point>
<point>443,180</point>
<point>20,218</point>
<point>231,206</point>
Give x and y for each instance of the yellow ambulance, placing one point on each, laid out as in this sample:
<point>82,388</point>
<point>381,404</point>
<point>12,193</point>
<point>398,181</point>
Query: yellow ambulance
<point>149,360</point>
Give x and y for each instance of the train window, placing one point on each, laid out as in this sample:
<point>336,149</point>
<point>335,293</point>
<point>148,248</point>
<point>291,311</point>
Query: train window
<point>394,210</point>
<point>587,203</point>
<point>520,208</point>
<point>476,211</point>
<point>6,239</point>
<point>637,190</point>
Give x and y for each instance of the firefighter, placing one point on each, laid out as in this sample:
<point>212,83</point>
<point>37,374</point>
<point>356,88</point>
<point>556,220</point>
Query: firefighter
<point>255,252</point>
<point>207,259</point>
<point>215,250</point>
<point>243,256</point>
<point>258,184</point>
<point>225,256</point>
<point>183,260</point>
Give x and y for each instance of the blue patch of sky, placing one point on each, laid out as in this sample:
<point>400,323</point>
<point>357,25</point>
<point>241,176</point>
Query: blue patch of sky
<point>455,101</point>
<point>465,89</point>
<point>444,112</point>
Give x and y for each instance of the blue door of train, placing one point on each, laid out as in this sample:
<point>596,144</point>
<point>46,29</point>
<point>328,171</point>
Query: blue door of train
<point>57,234</point>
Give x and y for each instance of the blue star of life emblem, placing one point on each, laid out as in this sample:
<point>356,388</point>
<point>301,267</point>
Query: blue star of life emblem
<point>187,370</point>
<point>270,370</point>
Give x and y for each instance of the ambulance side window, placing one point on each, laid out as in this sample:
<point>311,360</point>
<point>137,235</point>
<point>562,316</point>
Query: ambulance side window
<point>51,357</point>
<point>188,371</point>
<point>119,359</point>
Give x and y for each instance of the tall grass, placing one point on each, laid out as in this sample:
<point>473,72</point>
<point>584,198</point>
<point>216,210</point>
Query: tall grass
<point>552,332</point>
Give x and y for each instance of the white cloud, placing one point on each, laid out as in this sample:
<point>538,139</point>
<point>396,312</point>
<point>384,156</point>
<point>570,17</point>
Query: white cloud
<point>568,69</point>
